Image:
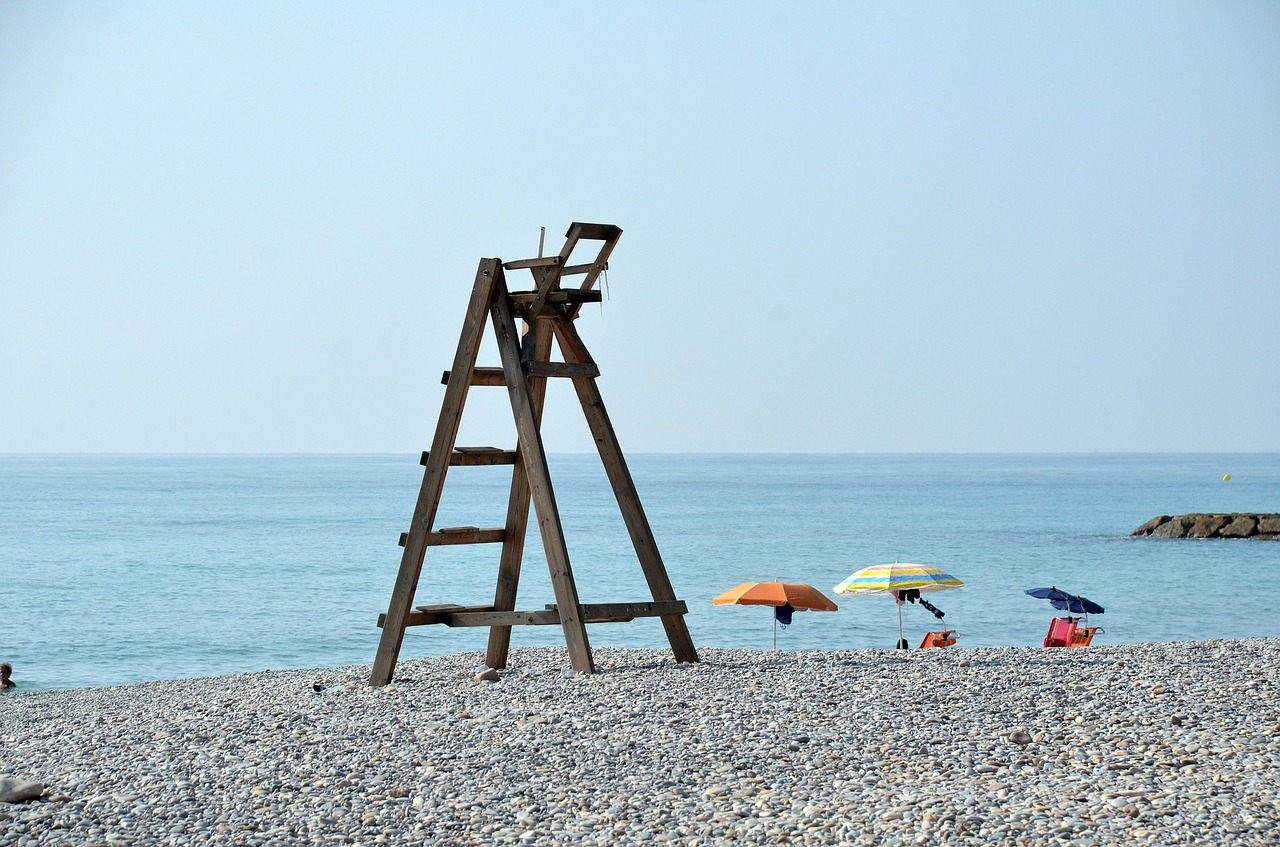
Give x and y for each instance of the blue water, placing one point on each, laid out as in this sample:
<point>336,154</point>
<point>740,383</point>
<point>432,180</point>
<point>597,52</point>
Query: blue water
<point>118,569</point>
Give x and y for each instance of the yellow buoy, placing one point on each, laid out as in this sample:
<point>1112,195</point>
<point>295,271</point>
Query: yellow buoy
<point>1226,477</point>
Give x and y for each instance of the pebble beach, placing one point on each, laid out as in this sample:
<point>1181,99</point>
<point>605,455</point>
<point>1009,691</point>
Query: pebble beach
<point>1173,743</point>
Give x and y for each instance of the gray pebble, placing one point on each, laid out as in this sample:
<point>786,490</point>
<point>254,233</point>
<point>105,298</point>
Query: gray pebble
<point>858,747</point>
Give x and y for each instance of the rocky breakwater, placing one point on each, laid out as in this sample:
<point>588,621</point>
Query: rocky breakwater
<point>1204,525</point>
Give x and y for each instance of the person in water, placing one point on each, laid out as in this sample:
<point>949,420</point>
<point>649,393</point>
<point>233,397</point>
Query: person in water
<point>5,670</point>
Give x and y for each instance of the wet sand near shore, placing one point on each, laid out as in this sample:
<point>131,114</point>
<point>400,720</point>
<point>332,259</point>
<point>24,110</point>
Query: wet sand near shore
<point>1132,744</point>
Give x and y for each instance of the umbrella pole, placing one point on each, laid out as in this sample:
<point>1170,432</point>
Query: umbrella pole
<point>900,639</point>
<point>775,623</point>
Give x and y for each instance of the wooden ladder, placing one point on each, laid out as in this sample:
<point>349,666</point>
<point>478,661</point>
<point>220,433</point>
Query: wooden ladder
<point>547,312</point>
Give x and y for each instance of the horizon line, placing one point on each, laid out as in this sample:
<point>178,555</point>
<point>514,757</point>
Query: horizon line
<point>230,453</point>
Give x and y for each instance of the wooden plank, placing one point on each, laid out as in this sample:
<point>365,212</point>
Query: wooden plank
<point>481,457</point>
<point>427,615</point>
<point>471,456</point>
<point>540,262</point>
<point>595,232</point>
<point>451,607</point>
<point>410,619</point>
<point>537,342</point>
<point>488,276</point>
<point>624,489</point>
<point>562,369</point>
<point>575,270</point>
<point>542,617</point>
<point>549,310</point>
<point>559,297</point>
<point>550,616</point>
<point>479,376</point>
<point>441,613</point>
<point>571,236</point>
<point>534,458</point>
<point>466,535</point>
<point>608,612</point>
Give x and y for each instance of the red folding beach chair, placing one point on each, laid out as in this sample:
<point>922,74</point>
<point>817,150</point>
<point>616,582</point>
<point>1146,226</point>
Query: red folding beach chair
<point>1061,632</point>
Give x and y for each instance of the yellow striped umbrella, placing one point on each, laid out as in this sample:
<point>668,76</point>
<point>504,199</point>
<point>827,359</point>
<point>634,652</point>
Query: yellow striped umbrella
<point>899,576</point>
<point>881,579</point>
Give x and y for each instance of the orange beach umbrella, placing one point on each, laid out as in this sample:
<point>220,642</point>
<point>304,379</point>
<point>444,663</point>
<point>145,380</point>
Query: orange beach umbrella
<point>797,595</point>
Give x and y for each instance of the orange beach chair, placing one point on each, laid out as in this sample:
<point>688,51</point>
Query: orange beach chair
<point>939,639</point>
<point>1083,635</point>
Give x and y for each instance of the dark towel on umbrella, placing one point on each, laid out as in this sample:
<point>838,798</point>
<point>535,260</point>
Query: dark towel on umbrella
<point>783,614</point>
<point>937,613</point>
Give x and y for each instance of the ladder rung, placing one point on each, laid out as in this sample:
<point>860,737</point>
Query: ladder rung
<point>594,232</point>
<point>472,456</point>
<point>465,535</point>
<point>609,612</point>
<point>542,262</point>
<point>550,616</point>
<point>587,369</point>
<point>452,607</point>
<point>460,535</point>
<point>477,456</point>
<point>480,376</point>
<point>488,617</point>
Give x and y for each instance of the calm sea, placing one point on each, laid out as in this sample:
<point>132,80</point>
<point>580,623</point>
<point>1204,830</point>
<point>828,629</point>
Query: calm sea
<point>125,568</point>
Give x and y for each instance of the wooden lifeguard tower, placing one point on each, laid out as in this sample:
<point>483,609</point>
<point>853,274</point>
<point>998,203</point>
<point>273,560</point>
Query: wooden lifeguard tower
<point>548,311</point>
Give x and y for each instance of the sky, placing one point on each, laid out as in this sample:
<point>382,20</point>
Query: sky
<point>847,227</point>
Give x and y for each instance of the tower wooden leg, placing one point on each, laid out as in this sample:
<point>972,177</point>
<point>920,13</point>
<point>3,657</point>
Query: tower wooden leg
<point>624,490</point>
<point>534,458</point>
<point>504,599</point>
<point>424,513</point>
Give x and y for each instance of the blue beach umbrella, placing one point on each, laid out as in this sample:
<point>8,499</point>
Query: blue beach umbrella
<point>1072,603</point>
